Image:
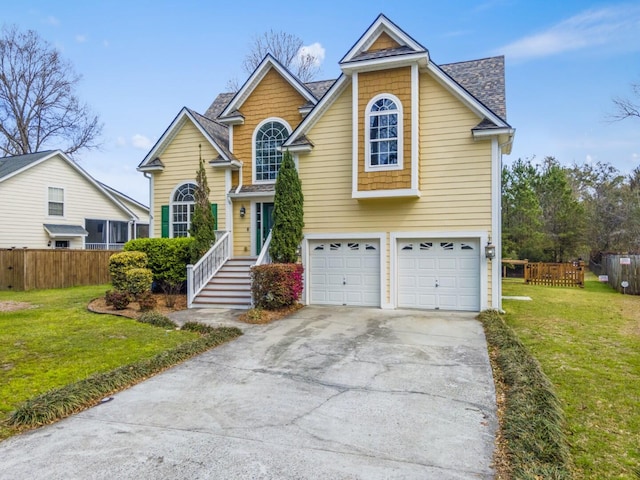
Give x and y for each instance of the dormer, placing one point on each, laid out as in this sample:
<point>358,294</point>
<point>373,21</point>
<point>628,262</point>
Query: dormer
<point>384,67</point>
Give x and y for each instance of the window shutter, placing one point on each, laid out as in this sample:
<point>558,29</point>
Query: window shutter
<point>214,212</point>
<point>165,221</point>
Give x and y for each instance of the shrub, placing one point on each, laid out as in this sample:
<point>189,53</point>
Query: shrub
<point>138,280</point>
<point>203,223</point>
<point>157,320</point>
<point>120,262</point>
<point>276,285</point>
<point>167,258</point>
<point>146,301</point>
<point>118,299</point>
<point>288,213</point>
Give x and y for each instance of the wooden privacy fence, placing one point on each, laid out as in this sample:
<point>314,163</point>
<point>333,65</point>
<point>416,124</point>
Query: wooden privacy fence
<point>555,274</point>
<point>27,269</point>
<point>622,268</point>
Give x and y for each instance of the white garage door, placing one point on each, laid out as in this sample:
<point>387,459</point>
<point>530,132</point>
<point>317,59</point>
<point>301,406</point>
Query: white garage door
<point>439,274</point>
<point>344,272</point>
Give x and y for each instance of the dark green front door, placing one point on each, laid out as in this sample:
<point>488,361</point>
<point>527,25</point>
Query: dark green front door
<point>264,223</point>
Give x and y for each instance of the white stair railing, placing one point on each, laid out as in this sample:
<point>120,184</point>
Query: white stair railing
<point>264,256</point>
<point>198,275</point>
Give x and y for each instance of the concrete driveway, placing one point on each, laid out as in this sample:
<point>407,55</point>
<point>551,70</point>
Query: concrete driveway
<point>329,393</point>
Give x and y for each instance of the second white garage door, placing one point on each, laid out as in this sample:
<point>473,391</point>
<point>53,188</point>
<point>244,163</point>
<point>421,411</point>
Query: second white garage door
<point>344,272</point>
<point>439,274</point>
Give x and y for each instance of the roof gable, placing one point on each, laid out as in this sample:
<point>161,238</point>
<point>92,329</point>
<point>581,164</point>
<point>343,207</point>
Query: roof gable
<point>10,166</point>
<point>215,133</point>
<point>26,162</point>
<point>267,64</point>
<point>383,38</point>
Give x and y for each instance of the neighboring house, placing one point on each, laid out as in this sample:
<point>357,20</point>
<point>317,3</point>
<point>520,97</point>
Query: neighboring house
<point>48,201</point>
<point>400,163</point>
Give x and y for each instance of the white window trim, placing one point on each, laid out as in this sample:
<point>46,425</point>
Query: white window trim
<point>64,210</point>
<point>172,203</point>
<point>367,142</point>
<point>253,146</point>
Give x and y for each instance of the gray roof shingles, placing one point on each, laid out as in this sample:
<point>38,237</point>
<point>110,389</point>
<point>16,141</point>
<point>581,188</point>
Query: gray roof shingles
<point>483,79</point>
<point>9,165</point>
<point>74,230</point>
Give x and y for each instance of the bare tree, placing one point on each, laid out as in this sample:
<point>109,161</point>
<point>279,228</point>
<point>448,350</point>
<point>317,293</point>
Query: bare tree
<point>627,107</point>
<point>38,105</point>
<point>287,49</point>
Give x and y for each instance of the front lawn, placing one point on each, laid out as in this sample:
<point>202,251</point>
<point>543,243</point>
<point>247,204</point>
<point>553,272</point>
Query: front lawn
<point>588,343</point>
<point>56,341</point>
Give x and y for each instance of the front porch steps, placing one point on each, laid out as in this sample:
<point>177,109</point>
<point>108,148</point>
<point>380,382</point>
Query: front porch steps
<point>230,287</point>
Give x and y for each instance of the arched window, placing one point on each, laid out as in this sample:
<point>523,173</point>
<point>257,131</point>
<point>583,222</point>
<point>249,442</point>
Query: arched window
<point>269,136</point>
<point>182,205</point>
<point>384,133</point>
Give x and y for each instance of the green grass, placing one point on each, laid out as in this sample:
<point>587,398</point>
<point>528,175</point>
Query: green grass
<point>58,342</point>
<point>588,343</point>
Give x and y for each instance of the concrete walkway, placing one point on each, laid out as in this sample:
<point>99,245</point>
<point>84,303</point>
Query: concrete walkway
<point>328,393</point>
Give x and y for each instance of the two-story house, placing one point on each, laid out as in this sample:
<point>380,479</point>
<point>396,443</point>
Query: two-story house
<point>399,160</point>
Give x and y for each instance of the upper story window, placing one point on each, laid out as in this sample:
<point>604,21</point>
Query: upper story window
<point>268,138</point>
<point>56,202</point>
<point>182,206</point>
<point>384,134</point>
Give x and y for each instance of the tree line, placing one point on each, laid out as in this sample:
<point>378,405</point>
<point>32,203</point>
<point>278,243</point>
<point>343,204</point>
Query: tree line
<point>556,213</point>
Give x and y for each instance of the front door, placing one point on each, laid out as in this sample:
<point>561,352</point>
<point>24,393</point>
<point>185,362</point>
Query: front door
<point>264,223</point>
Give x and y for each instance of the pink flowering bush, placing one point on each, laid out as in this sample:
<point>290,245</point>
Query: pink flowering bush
<point>276,285</point>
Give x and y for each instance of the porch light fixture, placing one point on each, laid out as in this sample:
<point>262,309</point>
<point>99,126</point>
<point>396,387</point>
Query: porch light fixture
<point>490,250</point>
<point>243,211</point>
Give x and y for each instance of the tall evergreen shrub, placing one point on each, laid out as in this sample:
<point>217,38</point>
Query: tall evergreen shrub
<point>202,223</point>
<point>288,214</point>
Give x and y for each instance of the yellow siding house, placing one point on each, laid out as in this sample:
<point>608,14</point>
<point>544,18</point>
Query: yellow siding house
<point>399,160</point>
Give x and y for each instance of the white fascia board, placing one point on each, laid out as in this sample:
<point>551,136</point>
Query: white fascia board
<point>258,74</point>
<point>379,25</point>
<point>234,120</point>
<point>405,60</point>
<point>311,119</point>
<point>474,104</point>
<point>404,192</point>
<point>33,164</point>
<point>253,195</point>
<point>492,132</point>
<point>233,164</point>
<point>150,169</point>
<point>94,182</point>
<point>165,138</point>
<point>299,148</point>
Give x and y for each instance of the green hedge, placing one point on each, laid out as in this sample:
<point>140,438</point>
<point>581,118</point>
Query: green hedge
<point>166,257</point>
<point>533,420</point>
<point>120,263</point>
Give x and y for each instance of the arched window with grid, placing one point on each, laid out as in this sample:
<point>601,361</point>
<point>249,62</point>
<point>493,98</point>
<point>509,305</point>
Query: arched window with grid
<point>269,136</point>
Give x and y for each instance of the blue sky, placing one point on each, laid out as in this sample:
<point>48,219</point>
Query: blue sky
<point>142,61</point>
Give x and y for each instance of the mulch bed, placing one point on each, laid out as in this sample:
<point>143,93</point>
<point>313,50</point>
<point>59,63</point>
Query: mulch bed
<point>98,305</point>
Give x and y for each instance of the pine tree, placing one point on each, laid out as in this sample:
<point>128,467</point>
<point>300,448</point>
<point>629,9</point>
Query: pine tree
<point>288,215</point>
<point>202,222</point>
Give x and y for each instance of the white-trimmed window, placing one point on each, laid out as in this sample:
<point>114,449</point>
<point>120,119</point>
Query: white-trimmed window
<point>268,137</point>
<point>56,202</point>
<point>383,133</point>
<point>182,206</point>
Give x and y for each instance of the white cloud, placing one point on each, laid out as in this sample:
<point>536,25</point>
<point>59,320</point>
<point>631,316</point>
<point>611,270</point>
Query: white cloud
<point>589,158</point>
<point>141,142</point>
<point>316,50</point>
<point>616,27</point>
<point>121,142</point>
<point>81,38</point>
<point>51,20</point>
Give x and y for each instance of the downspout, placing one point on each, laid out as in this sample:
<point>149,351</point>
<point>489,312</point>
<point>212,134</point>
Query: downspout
<point>150,178</point>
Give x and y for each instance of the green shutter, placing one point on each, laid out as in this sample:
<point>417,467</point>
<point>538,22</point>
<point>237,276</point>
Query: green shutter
<point>214,212</point>
<point>165,221</point>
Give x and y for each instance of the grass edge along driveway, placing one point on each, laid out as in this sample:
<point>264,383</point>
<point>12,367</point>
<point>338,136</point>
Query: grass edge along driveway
<point>57,342</point>
<point>588,343</point>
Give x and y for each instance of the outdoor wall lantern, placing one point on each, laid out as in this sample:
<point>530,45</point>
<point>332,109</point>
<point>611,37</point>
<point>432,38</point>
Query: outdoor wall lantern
<point>490,250</point>
<point>243,211</point>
